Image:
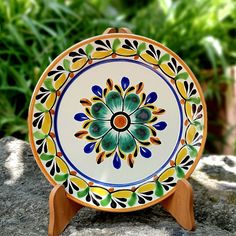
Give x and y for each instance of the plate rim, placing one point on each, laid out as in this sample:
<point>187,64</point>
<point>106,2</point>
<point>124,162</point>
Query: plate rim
<point>80,44</point>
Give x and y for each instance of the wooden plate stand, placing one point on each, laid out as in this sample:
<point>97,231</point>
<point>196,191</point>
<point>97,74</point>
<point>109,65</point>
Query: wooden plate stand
<point>62,209</point>
<point>179,204</point>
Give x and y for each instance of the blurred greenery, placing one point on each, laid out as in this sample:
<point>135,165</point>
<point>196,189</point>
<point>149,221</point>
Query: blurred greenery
<point>33,33</point>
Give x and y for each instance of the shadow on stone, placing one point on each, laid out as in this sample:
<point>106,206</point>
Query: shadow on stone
<point>24,191</point>
<point>219,173</point>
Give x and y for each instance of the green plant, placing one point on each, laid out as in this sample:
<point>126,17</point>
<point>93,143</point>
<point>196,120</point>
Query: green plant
<point>202,33</point>
<point>33,33</point>
<point>198,32</point>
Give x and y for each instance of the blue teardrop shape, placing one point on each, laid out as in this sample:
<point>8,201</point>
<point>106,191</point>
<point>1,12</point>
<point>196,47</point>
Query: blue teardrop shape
<point>125,83</point>
<point>80,117</point>
<point>97,90</point>
<point>116,161</point>
<point>145,152</point>
<point>89,147</point>
<point>152,97</point>
<point>160,125</point>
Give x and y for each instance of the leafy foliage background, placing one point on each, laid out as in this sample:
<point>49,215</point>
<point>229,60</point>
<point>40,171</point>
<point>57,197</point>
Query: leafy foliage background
<point>33,33</point>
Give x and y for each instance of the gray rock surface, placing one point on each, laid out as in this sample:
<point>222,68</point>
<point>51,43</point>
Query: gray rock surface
<point>24,195</point>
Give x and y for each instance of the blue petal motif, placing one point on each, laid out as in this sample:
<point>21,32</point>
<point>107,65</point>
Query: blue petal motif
<point>125,83</point>
<point>116,161</point>
<point>89,147</point>
<point>97,90</point>
<point>152,97</point>
<point>160,125</point>
<point>145,152</point>
<point>80,117</point>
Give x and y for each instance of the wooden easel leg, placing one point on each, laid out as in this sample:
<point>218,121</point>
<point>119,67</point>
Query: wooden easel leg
<point>180,204</point>
<point>61,210</point>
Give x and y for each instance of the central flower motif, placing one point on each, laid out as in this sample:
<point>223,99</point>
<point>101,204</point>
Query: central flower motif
<point>118,122</point>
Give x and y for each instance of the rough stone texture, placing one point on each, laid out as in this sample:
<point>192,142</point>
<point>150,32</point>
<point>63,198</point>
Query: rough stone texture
<point>24,201</point>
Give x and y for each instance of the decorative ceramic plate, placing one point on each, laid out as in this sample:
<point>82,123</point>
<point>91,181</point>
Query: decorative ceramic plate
<point>117,119</point>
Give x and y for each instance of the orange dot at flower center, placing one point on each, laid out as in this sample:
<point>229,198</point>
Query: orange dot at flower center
<point>120,121</point>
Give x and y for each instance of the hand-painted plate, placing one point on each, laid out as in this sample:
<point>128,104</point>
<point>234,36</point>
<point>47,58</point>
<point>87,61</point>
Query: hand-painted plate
<point>117,119</point>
